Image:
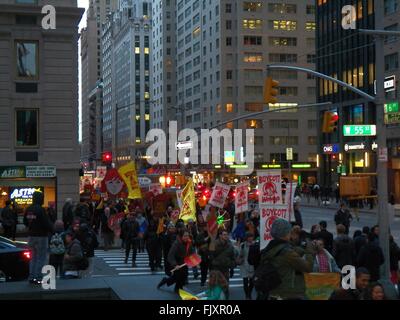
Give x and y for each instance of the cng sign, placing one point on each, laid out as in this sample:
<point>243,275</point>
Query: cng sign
<point>359,130</point>
<point>331,148</point>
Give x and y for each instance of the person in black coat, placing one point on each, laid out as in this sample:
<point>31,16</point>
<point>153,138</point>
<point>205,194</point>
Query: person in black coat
<point>153,245</point>
<point>131,229</point>
<point>297,215</point>
<point>343,248</point>
<point>344,217</point>
<point>325,235</point>
<point>203,243</point>
<point>361,240</point>
<point>394,259</point>
<point>167,239</point>
<point>8,220</point>
<point>371,257</point>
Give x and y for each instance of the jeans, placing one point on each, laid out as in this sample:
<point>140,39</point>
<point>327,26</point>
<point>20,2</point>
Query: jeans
<point>39,246</point>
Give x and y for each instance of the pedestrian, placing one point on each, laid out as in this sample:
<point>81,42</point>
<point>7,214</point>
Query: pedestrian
<point>39,228</point>
<point>359,293</point>
<point>360,239</point>
<point>8,221</point>
<point>297,215</point>
<point>315,229</point>
<point>167,239</point>
<point>106,231</point>
<point>223,256</point>
<point>57,247</point>
<point>394,260</point>
<point>181,248</point>
<point>375,291</point>
<point>67,212</point>
<point>193,230</point>
<point>131,230</point>
<point>337,194</point>
<point>288,265</point>
<point>152,245</point>
<point>51,212</point>
<point>143,223</point>
<point>354,204</point>
<point>343,248</point>
<point>343,216</point>
<point>73,256</point>
<point>325,235</point>
<point>246,270</point>
<point>375,233</point>
<point>88,240</point>
<point>323,261</point>
<point>203,243</point>
<point>371,257</point>
<point>217,285</point>
<point>372,200</point>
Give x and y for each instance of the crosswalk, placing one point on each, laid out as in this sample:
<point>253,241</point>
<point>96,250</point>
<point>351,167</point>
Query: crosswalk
<point>116,259</point>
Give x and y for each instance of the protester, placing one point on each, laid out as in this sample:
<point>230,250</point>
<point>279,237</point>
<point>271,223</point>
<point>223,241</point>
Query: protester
<point>181,248</point>
<point>57,247</point>
<point>153,245</point>
<point>314,231</point>
<point>326,236</point>
<point>343,217</point>
<point>297,215</point>
<point>143,224</point>
<point>68,215</point>
<point>360,239</point>
<point>107,233</point>
<point>73,256</point>
<point>8,221</point>
<point>88,240</point>
<point>375,233</point>
<point>217,285</point>
<point>288,264</point>
<point>202,243</point>
<point>51,212</point>
<point>246,270</point>
<point>394,260</point>
<point>343,248</point>
<point>167,239</point>
<point>375,292</point>
<point>323,261</point>
<point>39,228</point>
<point>131,230</point>
<point>359,293</point>
<point>371,257</point>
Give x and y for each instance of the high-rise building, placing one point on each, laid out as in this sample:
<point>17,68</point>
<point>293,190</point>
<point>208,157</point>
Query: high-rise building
<point>126,64</point>
<point>39,147</point>
<point>221,52</point>
<point>91,65</point>
<point>349,55</point>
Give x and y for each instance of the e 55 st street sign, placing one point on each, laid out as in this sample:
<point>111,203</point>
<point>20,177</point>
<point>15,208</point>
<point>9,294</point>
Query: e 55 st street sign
<point>359,130</point>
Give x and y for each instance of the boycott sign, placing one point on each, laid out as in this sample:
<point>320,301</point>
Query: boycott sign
<point>268,214</point>
<point>155,188</point>
<point>219,195</point>
<point>242,197</point>
<point>289,198</point>
<point>270,187</point>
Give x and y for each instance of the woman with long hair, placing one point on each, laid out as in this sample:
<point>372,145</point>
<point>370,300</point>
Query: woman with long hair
<point>217,285</point>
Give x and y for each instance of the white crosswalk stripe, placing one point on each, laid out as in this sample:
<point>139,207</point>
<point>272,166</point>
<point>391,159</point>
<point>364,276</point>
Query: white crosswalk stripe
<point>116,259</point>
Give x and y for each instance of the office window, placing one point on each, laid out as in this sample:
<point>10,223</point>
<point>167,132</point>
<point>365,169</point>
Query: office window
<point>229,74</point>
<point>282,57</point>
<point>188,11</point>
<point>217,10</point>
<point>196,4</point>
<point>284,140</point>
<point>252,6</point>
<point>288,91</point>
<point>229,91</point>
<point>196,19</point>
<point>311,58</point>
<point>391,39</point>
<point>196,61</point>
<point>312,124</point>
<point>392,61</point>
<point>196,47</point>
<point>282,41</point>
<point>196,32</point>
<point>254,124</point>
<point>282,124</point>
<point>228,41</point>
<point>253,74</point>
<point>281,8</point>
<point>391,6</point>
<point>288,25</point>
<point>253,24</point>
<point>310,42</point>
<point>312,140</point>
<point>187,25</point>
<point>228,8</point>
<point>252,57</point>
<point>228,24</point>
<point>283,74</point>
<point>252,40</point>
<point>253,90</point>
<point>27,131</point>
<point>27,59</point>
<point>310,9</point>
<point>310,26</point>
<point>188,38</point>
<point>311,91</point>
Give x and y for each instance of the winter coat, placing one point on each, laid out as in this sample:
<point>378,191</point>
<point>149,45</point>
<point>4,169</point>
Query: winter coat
<point>67,214</point>
<point>394,256</point>
<point>36,219</point>
<point>328,239</point>
<point>7,217</point>
<point>89,242</point>
<point>331,262</point>
<point>359,242</point>
<point>130,229</point>
<point>246,270</point>
<point>343,217</point>
<point>167,239</point>
<point>290,266</point>
<point>223,258</point>
<point>351,294</point>
<point>203,245</point>
<point>371,257</point>
<point>343,251</point>
<point>298,218</point>
<point>75,254</point>
<point>178,252</point>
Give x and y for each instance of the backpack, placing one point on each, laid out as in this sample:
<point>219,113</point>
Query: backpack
<point>266,276</point>
<point>57,244</point>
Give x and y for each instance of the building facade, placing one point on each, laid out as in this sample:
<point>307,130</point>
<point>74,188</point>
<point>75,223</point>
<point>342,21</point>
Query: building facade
<point>39,147</point>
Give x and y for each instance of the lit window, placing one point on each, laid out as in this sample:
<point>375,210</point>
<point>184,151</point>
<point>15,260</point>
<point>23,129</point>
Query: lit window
<point>229,125</point>
<point>252,57</point>
<point>229,107</point>
<point>137,50</point>
<point>147,95</point>
<point>252,24</point>
<point>219,108</point>
<point>310,26</point>
<point>138,140</point>
<point>147,117</point>
<point>137,118</point>
<point>146,50</point>
<point>254,124</point>
<point>288,25</point>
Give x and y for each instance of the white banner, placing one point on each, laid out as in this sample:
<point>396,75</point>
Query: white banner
<point>269,187</point>
<point>242,197</point>
<point>155,188</point>
<point>179,197</point>
<point>268,214</point>
<point>219,194</point>
<point>289,198</point>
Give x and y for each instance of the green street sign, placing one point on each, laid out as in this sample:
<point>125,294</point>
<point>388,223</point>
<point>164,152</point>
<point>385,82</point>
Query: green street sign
<point>392,118</point>
<point>391,107</point>
<point>359,130</point>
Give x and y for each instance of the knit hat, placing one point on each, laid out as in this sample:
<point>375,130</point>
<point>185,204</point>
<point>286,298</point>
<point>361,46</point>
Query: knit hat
<point>280,228</point>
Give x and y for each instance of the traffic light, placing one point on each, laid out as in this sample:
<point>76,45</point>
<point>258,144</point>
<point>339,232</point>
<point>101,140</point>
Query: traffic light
<point>270,90</point>
<point>107,158</point>
<point>330,122</point>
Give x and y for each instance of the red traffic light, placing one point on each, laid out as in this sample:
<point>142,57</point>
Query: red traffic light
<point>107,157</point>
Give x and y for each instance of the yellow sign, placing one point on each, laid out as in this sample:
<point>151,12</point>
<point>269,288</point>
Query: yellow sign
<point>319,286</point>
<point>128,174</point>
<point>188,210</point>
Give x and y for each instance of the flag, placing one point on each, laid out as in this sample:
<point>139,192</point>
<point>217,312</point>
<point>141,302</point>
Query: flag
<point>186,295</point>
<point>193,260</point>
<point>160,227</point>
<point>128,174</point>
<point>242,197</point>
<point>319,286</point>
<point>188,210</point>
<point>219,194</point>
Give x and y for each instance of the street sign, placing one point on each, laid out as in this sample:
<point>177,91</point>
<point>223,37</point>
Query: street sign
<point>330,148</point>
<point>359,130</point>
<point>289,154</point>
<point>391,107</point>
<point>184,145</point>
<point>390,83</point>
<point>382,154</point>
<point>392,118</point>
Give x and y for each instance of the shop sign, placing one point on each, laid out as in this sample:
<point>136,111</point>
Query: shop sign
<point>301,165</point>
<point>355,146</point>
<point>390,83</point>
<point>271,166</point>
<point>40,171</point>
<point>144,181</point>
<point>330,148</point>
<point>23,195</point>
<point>12,172</point>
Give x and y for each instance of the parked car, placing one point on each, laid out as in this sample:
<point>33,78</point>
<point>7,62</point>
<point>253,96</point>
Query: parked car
<point>19,244</point>
<point>14,261</point>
